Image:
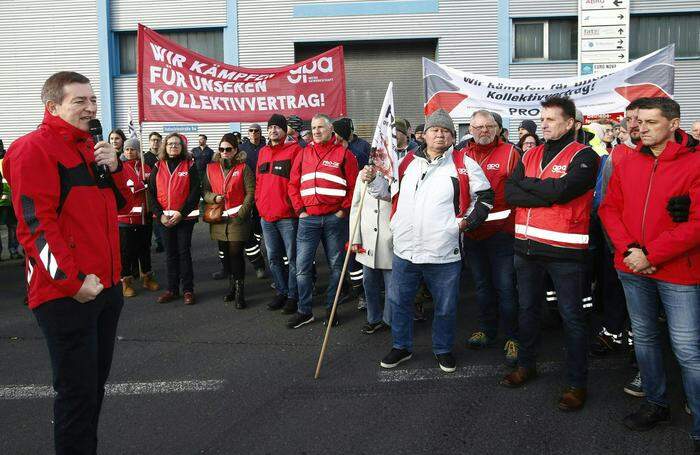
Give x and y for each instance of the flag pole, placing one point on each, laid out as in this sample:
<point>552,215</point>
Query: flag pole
<point>340,283</point>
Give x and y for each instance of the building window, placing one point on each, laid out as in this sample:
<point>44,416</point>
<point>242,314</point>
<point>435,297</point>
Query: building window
<point>649,33</point>
<point>551,40</point>
<point>205,42</point>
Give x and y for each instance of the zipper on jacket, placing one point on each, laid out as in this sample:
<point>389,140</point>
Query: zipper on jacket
<point>646,202</point>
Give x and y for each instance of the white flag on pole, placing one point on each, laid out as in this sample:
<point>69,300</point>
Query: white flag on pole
<point>384,142</point>
<point>132,130</point>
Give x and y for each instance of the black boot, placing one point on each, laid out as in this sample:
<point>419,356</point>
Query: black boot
<point>239,294</point>
<point>231,296</point>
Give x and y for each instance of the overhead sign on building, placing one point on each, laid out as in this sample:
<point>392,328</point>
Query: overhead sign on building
<point>461,93</point>
<point>603,34</point>
<point>176,84</point>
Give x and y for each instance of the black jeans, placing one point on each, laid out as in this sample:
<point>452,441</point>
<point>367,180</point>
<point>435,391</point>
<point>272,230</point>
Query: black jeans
<point>569,278</point>
<point>178,256</point>
<point>135,245</point>
<point>80,338</point>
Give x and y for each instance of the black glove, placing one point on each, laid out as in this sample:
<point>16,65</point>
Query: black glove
<point>679,208</point>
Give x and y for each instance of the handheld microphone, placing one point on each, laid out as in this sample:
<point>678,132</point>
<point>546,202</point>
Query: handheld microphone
<point>95,130</point>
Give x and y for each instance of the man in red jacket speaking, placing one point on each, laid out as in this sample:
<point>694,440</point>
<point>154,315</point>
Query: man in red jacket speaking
<point>67,224</point>
<point>651,213</point>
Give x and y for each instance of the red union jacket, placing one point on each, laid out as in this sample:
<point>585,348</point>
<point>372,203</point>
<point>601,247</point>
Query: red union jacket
<point>634,210</point>
<point>136,213</point>
<point>67,224</point>
<point>272,181</point>
<point>229,185</point>
<point>497,160</point>
<point>323,179</point>
<point>560,225</point>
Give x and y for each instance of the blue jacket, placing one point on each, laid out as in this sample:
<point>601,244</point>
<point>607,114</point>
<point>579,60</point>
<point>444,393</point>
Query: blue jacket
<point>252,152</point>
<point>361,149</point>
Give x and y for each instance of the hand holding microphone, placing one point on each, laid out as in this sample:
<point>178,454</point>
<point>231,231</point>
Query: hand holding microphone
<point>105,155</point>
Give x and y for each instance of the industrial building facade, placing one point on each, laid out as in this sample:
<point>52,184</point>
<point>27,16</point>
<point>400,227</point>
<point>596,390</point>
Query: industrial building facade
<point>384,40</point>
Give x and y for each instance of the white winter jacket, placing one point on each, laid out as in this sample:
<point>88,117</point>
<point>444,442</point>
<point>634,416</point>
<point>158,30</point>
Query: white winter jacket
<point>425,226</point>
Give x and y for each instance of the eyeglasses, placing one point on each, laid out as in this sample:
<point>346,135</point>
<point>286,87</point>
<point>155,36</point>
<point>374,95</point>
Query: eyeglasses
<point>483,127</point>
<point>225,149</point>
<point>173,144</point>
<point>253,131</point>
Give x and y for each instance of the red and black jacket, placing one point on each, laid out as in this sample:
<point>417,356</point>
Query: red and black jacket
<point>272,181</point>
<point>67,218</point>
<point>525,190</point>
<point>634,210</point>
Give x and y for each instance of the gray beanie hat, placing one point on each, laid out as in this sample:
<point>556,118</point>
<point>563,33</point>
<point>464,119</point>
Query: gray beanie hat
<point>442,119</point>
<point>133,143</point>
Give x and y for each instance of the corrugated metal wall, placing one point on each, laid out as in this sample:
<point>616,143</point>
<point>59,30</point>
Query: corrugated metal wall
<point>466,31</point>
<point>170,14</point>
<point>32,49</point>
<point>164,14</point>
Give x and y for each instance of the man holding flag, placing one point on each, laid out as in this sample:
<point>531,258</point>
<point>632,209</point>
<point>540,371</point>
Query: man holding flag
<point>438,195</point>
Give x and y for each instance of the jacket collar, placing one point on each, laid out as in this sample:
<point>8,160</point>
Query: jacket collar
<point>479,149</point>
<point>421,153</point>
<point>68,132</point>
<point>682,143</point>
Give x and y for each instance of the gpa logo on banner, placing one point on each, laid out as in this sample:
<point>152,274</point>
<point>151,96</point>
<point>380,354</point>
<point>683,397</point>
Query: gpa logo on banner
<point>559,169</point>
<point>493,166</point>
<point>306,73</point>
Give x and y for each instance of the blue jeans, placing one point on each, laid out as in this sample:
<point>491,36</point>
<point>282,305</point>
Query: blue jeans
<point>682,306</point>
<point>569,278</point>
<point>371,280</point>
<point>281,241</point>
<point>332,232</point>
<point>491,263</point>
<point>443,283</point>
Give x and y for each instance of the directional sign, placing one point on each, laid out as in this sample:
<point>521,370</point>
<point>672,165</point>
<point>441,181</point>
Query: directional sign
<point>602,17</point>
<point>603,30</point>
<point>611,31</point>
<point>587,5</point>
<point>603,44</point>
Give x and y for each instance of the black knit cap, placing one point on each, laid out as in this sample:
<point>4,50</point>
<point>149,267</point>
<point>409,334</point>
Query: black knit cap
<point>343,128</point>
<point>279,120</point>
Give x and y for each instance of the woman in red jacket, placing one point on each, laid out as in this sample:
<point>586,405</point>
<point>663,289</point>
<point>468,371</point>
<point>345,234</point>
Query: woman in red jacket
<point>136,225</point>
<point>173,194</point>
<point>229,181</point>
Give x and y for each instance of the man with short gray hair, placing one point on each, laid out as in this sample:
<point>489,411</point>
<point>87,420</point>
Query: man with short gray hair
<point>321,185</point>
<point>489,249</point>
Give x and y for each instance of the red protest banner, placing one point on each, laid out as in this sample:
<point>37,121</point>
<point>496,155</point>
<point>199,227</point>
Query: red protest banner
<point>176,84</point>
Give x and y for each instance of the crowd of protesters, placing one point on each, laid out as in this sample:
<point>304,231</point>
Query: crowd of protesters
<point>590,214</point>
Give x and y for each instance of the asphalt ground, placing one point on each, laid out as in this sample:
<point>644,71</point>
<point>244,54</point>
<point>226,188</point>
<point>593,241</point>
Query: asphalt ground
<point>212,379</point>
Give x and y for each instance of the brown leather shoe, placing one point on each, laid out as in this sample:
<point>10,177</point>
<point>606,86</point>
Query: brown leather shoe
<point>573,399</point>
<point>189,298</point>
<point>519,377</point>
<point>168,296</point>
<point>127,287</point>
<point>149,282</point>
